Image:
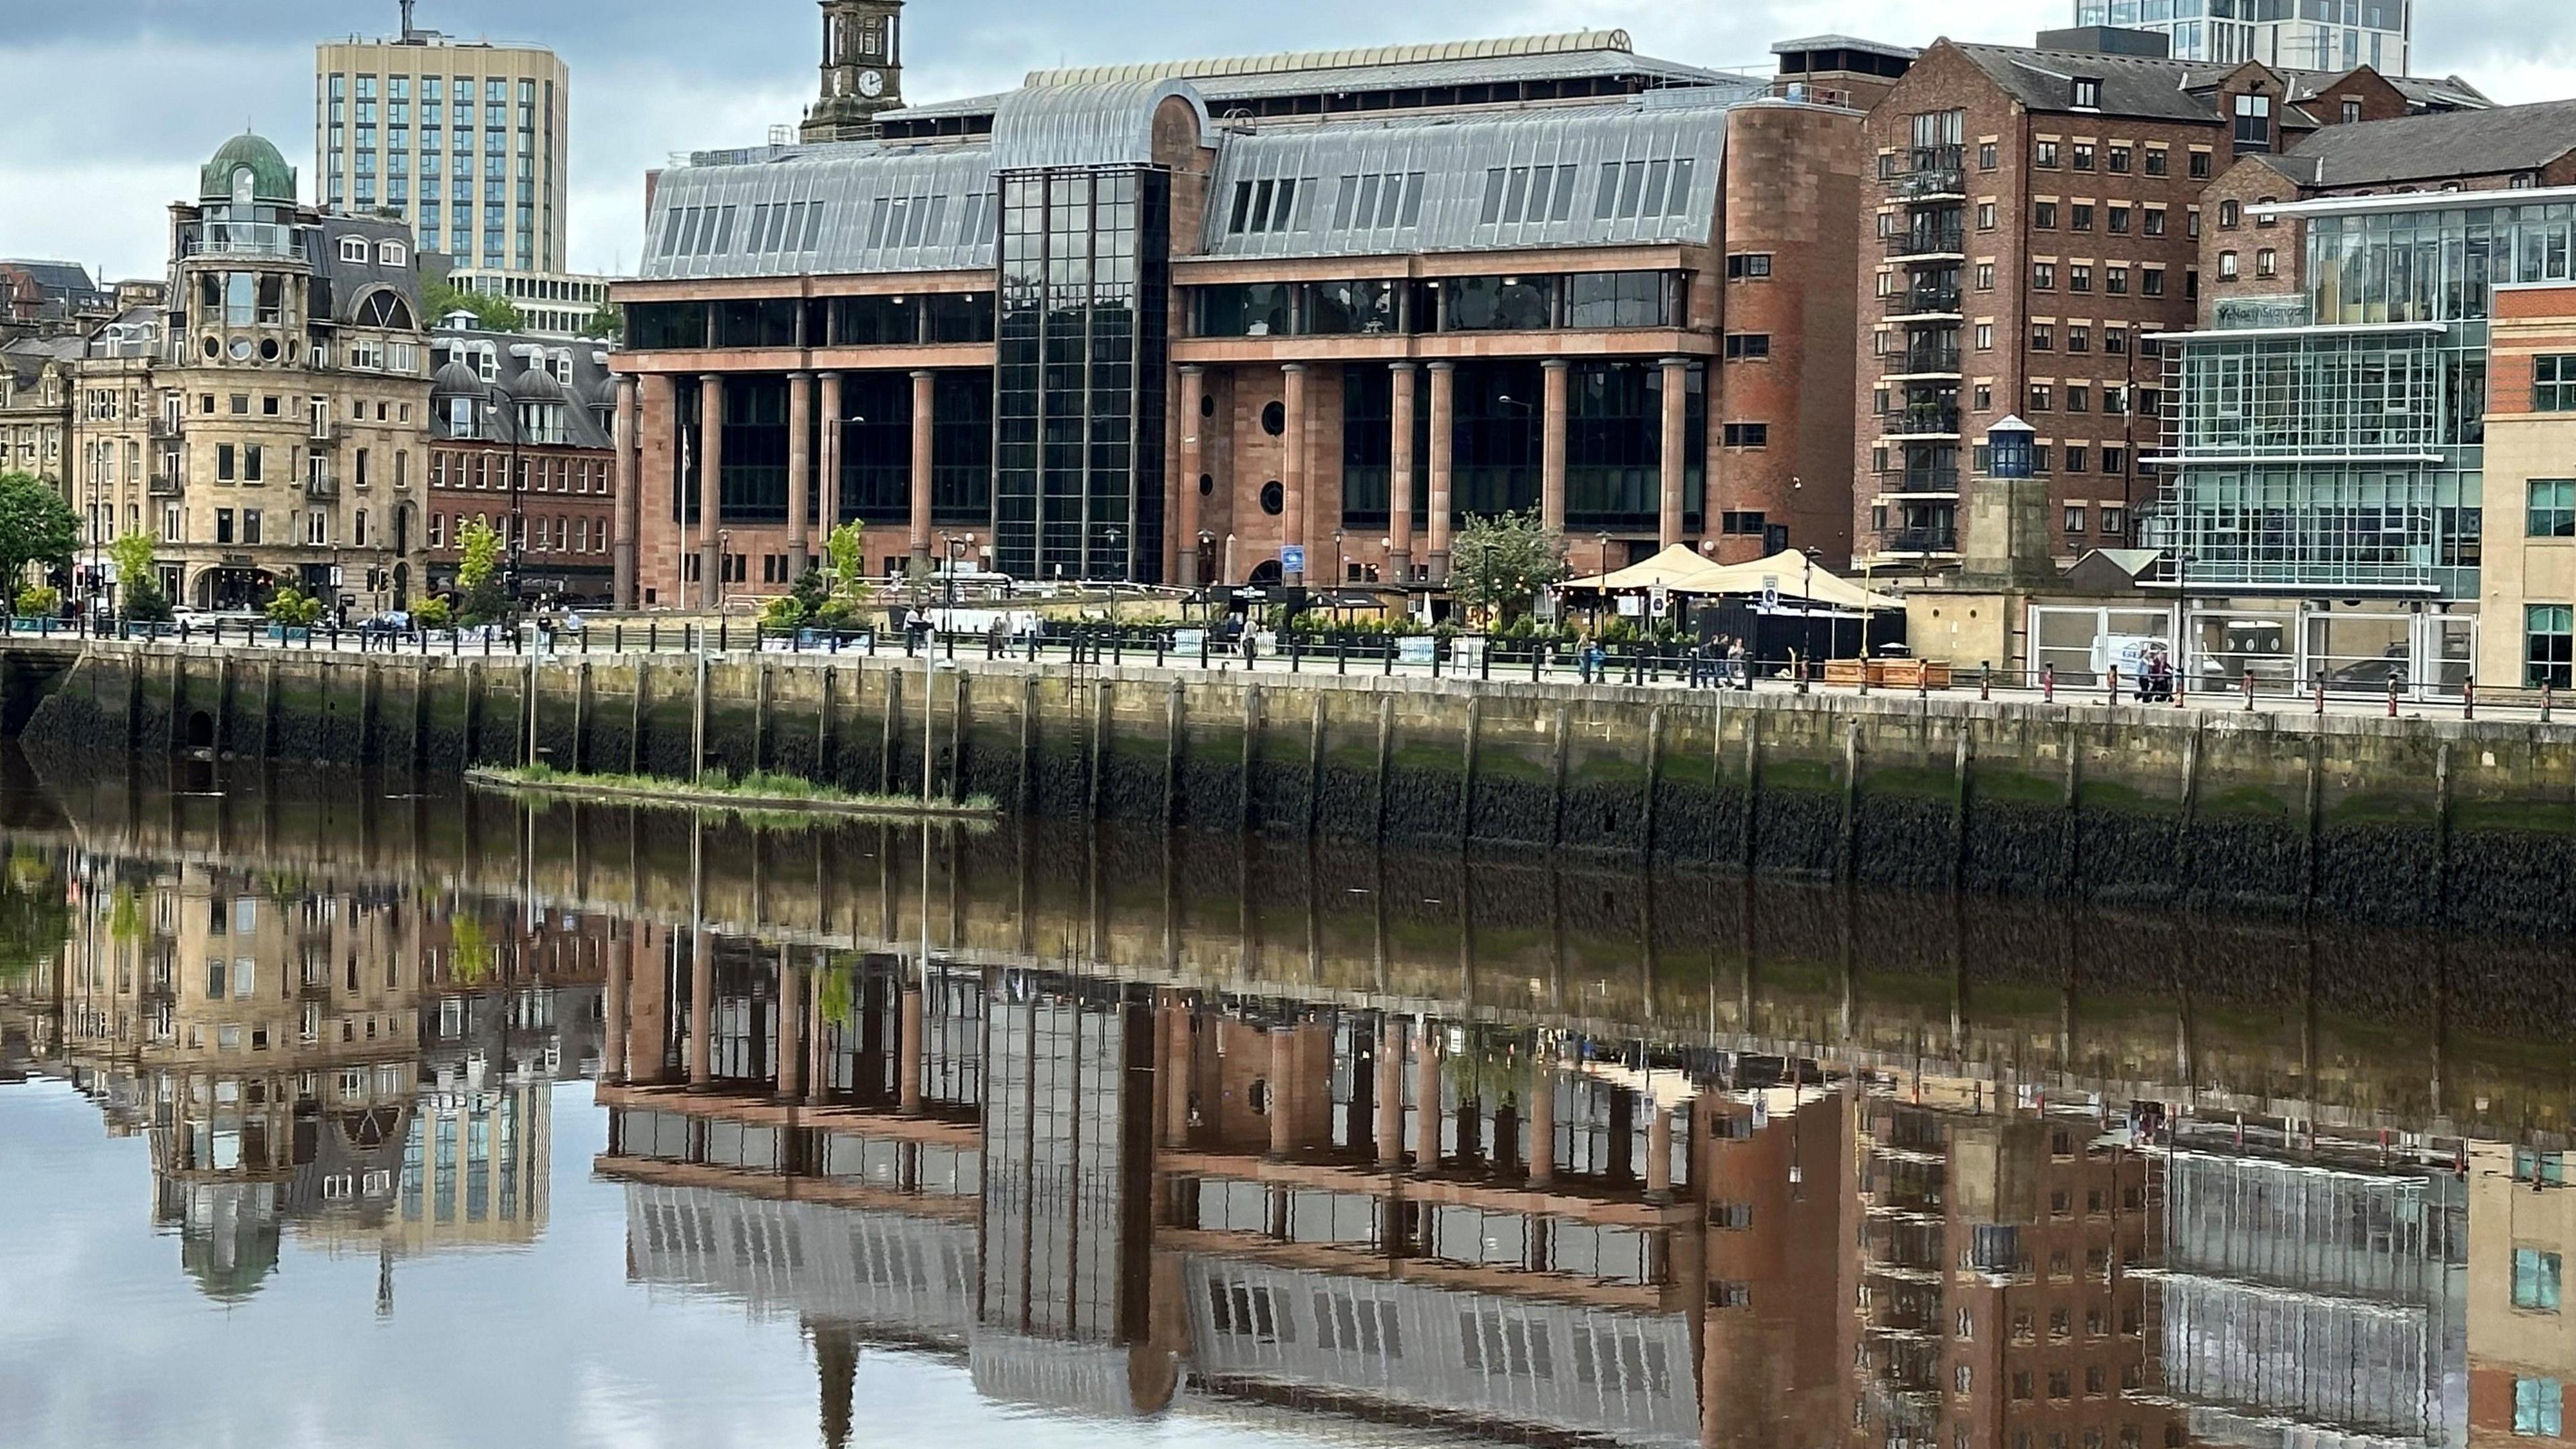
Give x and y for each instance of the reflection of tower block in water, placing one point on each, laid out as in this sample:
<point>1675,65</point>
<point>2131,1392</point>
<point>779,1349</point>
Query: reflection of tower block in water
<point>862,69</point>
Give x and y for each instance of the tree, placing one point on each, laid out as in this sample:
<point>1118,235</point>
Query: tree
<point>1502,561</point>
<point>846,572</point>
<point>290,608</point>
<point>608,324</point>
<point>491,313</point>
<point>35,913</point>
<point>36,527</point>
<point>137,580</point>
<point>478,578</point>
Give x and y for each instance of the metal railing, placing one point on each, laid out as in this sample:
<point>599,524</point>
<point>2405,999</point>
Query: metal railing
<point>2203,685</point>
<point>1919,480</point>
<point>1922,301</point>
<point>1919,540</point>
<point>1921,419</point>
<point>1926,241</point>
<point>1924,359</point>
<point>241,238</point>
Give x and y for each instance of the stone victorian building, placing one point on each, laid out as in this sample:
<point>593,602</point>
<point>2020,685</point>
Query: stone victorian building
<point>289,401</point>
<point>1285,318</point>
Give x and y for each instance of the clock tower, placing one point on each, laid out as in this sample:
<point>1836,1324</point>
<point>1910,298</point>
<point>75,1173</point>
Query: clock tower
<point>862,69</point>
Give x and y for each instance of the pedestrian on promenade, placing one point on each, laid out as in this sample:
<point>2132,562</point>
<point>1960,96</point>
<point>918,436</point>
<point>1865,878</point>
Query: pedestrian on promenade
<point>1738,666</point>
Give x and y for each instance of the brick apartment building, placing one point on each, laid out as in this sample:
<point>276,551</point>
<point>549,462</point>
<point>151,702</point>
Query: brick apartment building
<point>2040,217</point>
<point>1542,273</point>
<point>541,406</point>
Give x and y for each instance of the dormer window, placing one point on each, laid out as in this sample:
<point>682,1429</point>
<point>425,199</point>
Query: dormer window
<point>390,253</point>
<point>2253,123</point>
<point>353,249</point>
<point>2088,93</point>
<point>487,363</point>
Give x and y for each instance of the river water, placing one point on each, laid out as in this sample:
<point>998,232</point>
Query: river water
<point>332,1116</point>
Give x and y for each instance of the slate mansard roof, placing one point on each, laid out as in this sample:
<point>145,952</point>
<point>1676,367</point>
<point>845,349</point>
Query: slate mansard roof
<point>1627,168</point>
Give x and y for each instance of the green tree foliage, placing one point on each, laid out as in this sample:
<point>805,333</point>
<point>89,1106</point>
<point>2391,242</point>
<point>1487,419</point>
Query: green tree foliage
<point>845,576</point>
<point>291,608</point>
<point>1500,562</point>
<point>36,527</point>
<point>138,583</point>
<point>35,913</point>
<point>608,324</point>
<point>478,577</point>
<point>492,314</point>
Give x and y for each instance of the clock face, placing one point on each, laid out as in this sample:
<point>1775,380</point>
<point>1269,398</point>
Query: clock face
<point>871,83</point>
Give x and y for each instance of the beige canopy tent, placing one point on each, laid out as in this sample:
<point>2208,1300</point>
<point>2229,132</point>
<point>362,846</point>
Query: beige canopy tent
<point>1684,571</point>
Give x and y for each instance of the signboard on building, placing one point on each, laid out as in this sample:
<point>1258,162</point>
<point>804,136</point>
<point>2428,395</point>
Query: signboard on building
<point>1292,559</point>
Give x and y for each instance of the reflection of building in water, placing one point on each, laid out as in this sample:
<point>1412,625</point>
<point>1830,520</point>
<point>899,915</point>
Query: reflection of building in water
<point>1084,1186</point>
<point>300,1062</point>
<point>1999,1304</point>
<point>2522,1344</point>
<point>2312,1298</point>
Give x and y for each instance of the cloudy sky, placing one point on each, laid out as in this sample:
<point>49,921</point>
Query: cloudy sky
<point>118,100</point>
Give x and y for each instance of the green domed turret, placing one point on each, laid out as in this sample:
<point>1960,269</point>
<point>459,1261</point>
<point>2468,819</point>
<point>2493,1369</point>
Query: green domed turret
<point>271,179</point>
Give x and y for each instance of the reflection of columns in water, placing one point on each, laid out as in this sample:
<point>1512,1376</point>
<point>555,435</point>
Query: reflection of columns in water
<point>1177,1066</point>
<point>908,1045</point>
<point>791,1021</point>
<point>620,951</point>
<point>1649,960</point>
<point>702,994</point>
<point>1659,1147</point>
<point>1390,1090</point>
<point>1555,936</point>
<point>1283,1088</point>
<point>1542,1114</point>
<point>1426,1095</point>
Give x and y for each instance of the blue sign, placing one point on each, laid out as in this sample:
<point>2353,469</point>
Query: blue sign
<point>1292,559</point>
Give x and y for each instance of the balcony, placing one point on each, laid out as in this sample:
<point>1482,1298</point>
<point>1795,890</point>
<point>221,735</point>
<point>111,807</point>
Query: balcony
<point>1918,542</point>
<point>1922,420</point>
<point>1928,242</point>
<point>165,429</point>
<point>1923,362</point>
<point>1919,480</point>
<point>1923,302</point>
<point>330,432</point>
<point>241,239</point>
<point>163,485</point>
<point>1927,172</point>
<point>322,487</point>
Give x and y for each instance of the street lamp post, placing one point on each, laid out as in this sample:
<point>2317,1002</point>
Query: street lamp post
<point>518,525</point>
<point>1340,568</point>
<point>1807,619</point>
<point>958,545</point>
<point>724,560</point>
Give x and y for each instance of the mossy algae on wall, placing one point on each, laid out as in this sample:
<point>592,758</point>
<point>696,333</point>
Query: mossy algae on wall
<point>2365,818</point>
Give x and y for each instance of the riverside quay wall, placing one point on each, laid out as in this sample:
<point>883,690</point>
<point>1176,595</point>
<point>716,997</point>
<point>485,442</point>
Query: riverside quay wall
<point>2401,821</point>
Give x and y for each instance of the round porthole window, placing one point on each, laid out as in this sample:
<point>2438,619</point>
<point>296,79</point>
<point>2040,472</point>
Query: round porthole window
<point>268,349</point>
<point>1207,406</point>
<point>1207,484</point>
<point>241,349</point>
<point>1274,499</point>
<point>1274,419</point>
<point>214,348</point>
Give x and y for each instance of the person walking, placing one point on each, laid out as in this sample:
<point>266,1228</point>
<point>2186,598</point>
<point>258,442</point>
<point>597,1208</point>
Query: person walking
<point>1738,666</point>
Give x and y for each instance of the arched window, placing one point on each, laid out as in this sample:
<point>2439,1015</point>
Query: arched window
<point>353,249</point>
<point>391,253</point>
<point>358,529</point>
<point>384,308</point>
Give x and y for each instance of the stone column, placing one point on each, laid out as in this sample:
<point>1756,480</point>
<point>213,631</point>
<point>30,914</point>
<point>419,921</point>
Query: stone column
<point>1292,470</point>
<point>829,455</point>
<point>710,486</point>
<point>1283,1073</point>
<point>908,1065</point>
<point>1668,528</point>
<point>1426,1097</point>
<point>1552,433</point>
<point>630,479</point>
<point>1542,1122</point>
<point>791,1024</point>
<point>702,1010</point>
<point>1444,394</point>
<point>921,395</point>
<point>1399,486</point>
<point>621,965</point>
<point>1185,481</point>
<point>1390,1093</point>
<point>800,473</point>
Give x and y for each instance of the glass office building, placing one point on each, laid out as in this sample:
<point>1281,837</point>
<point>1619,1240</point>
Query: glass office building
<point>2295,34</point>
<point>2335,445</point>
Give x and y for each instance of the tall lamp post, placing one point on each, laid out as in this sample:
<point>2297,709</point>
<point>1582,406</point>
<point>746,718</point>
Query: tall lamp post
<point>959,544</point>
<point>1807,618</point>
<point>518,526</point>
